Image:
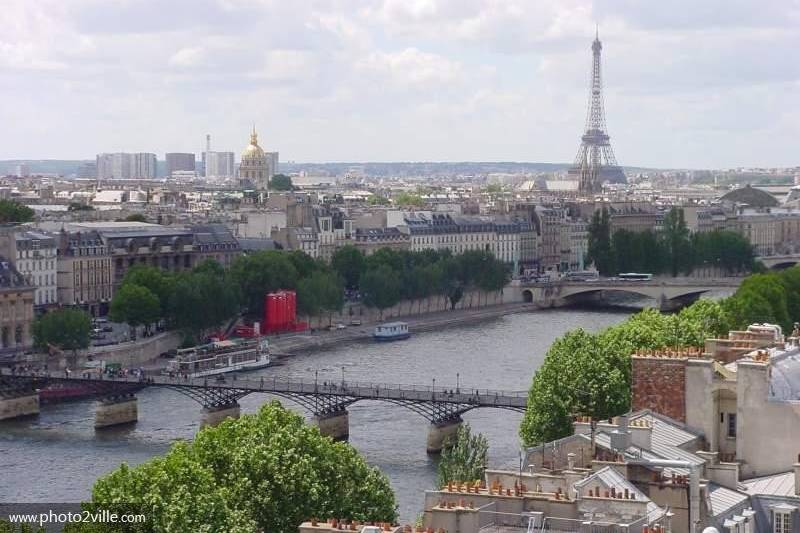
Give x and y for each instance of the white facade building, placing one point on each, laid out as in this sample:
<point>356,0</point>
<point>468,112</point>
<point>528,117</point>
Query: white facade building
<point>36,261</point>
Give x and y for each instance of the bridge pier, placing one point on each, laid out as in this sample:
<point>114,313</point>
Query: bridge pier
<point>335,425</point>
<point>24,404</point>
<point>440,432</point>
<point>213,416</point>
<point>116,410</point>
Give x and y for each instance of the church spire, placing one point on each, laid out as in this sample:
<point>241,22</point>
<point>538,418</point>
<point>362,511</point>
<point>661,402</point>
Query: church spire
<point>254,136</point>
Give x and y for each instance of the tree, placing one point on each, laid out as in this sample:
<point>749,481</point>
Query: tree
<point>11,211</point>
<point>676,239</point>
<point>160,283</point>
<point>405,199</point>
<point>263,472</point>
<point>599,251</point>
<point>464,458</point>
<point>589,375</point>
<point>9,527</point>
<point>135,217</point>
<point>349,263</point>
<point>203,299</point>
<point>581,375</point>
<point>281,182</point>
<point>260,273</point>
<point>322,291</point>
<point>380,288</point>
<point>66,329</point>
<point>374,199</point>
<point>135,305</point>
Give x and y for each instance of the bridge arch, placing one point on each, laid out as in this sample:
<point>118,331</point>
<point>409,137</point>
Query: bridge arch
<point>527,296</point>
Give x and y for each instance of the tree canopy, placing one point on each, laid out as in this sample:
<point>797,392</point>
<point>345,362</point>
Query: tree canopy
<point>12,211</point>
<point>66,329</point>
<point>135,305</point>
<point>263,472</point>
<point>464,458</point>
<point>673,250</point>
<point>281,182</point>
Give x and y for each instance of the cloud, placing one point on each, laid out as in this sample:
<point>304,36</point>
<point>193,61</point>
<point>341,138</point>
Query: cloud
<point>688,84</point>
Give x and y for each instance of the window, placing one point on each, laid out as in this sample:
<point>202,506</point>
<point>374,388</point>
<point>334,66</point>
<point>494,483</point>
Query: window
<point>732,425</point>
<point>783,522</point>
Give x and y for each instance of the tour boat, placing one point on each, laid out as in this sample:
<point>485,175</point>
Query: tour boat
<point>391,331</point>
<point>221,357</point>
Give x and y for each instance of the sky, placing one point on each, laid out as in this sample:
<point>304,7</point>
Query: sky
<point>688,84</point>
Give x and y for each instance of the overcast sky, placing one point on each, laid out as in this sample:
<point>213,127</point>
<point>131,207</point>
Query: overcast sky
<point>688,83</point>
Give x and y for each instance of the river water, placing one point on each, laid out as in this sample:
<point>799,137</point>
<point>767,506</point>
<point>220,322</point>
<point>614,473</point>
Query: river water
<point>57,456</point>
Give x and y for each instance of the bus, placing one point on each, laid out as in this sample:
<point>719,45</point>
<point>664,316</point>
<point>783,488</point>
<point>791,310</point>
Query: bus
<point>581,275</point>
<point>635,276</point>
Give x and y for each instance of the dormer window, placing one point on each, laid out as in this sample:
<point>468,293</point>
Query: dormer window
<point>782,518</point>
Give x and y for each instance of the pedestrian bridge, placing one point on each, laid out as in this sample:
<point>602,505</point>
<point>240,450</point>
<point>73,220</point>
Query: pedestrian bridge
<point>326,400</point>
<point>667,292</point>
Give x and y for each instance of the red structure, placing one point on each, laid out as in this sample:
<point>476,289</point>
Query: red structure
<point>280,312</point>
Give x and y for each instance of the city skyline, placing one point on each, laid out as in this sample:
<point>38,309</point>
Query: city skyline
<point>686,86</point>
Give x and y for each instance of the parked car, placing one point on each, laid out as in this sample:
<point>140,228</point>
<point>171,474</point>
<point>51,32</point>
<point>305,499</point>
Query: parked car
<point>107,328</point>
<point>355,322</point>
<point>341,326</point>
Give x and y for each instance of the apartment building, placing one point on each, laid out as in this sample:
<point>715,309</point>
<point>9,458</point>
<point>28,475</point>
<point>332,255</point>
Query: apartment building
<point>85,274</point>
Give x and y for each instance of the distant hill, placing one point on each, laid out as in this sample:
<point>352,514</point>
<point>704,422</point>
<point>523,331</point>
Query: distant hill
<point>63,167</point>
<point>424,168</point>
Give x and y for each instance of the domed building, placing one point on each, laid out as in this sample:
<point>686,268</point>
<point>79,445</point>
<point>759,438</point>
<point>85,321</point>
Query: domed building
<point>253,169</point>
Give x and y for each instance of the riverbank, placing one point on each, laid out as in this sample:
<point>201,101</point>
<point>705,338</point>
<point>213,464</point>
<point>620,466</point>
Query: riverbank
<point>290,344</point>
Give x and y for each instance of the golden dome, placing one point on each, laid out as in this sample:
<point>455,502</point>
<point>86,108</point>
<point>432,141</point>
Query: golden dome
<point>253,149</point>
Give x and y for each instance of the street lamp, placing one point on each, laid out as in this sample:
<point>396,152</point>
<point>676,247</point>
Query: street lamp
<point>316,374</point>
<point>458,382</point>
<point>342,376</point>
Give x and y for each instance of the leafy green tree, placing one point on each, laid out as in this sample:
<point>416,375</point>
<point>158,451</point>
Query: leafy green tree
<point>281,182</point>
<point>790,278</point>
<point>65,329</point>
<point>322,291</point>
<point>676,239</point>
<point>263,472</point>
<point>160,283</point>
<point>261,273</point>
<point>135,217</point>
<point>769,287</point>
<point>581,375</point>
<point>599,251</point>
<point>135,305</point>
<point>8,527</point>
<point>464,458</point>
<point>585,374</point>
<point>405,199</point>
<point>12,211</point>
<point>203,299</point>
<point>78,206</point>
<point>349,263</point>
<point>380,288</point>
<point>378,200</point>
<point>304,264</point>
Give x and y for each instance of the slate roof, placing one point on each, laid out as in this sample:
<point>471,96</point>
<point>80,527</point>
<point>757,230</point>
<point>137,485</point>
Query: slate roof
<point>774,485</point>
<point>751,196</point>
<point>721,499</point>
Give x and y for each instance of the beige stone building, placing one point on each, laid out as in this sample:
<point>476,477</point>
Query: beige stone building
<point>85,271</point>
<point>16,310</point>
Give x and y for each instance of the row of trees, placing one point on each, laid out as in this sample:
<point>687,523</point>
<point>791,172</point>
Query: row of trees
<point>198,301</point>
<point>263,472</point>
<point>388,276</point>
<point>589,374</point>
<point>673,250</point>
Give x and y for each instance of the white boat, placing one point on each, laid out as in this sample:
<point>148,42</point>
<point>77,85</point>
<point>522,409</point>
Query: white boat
<point>391,331</point>
<point>221,357</point>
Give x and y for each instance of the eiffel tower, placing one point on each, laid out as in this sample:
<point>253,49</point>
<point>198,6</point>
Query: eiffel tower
<point>595,162</point>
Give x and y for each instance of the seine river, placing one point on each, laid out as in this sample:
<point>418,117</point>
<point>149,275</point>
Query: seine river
<point>56,456</point>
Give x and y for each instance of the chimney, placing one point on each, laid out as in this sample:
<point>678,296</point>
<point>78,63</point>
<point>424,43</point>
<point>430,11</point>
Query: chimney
<point>797,476</point>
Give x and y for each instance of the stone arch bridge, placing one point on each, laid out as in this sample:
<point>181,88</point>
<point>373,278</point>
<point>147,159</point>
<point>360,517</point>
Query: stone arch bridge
<point>669,293</point>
